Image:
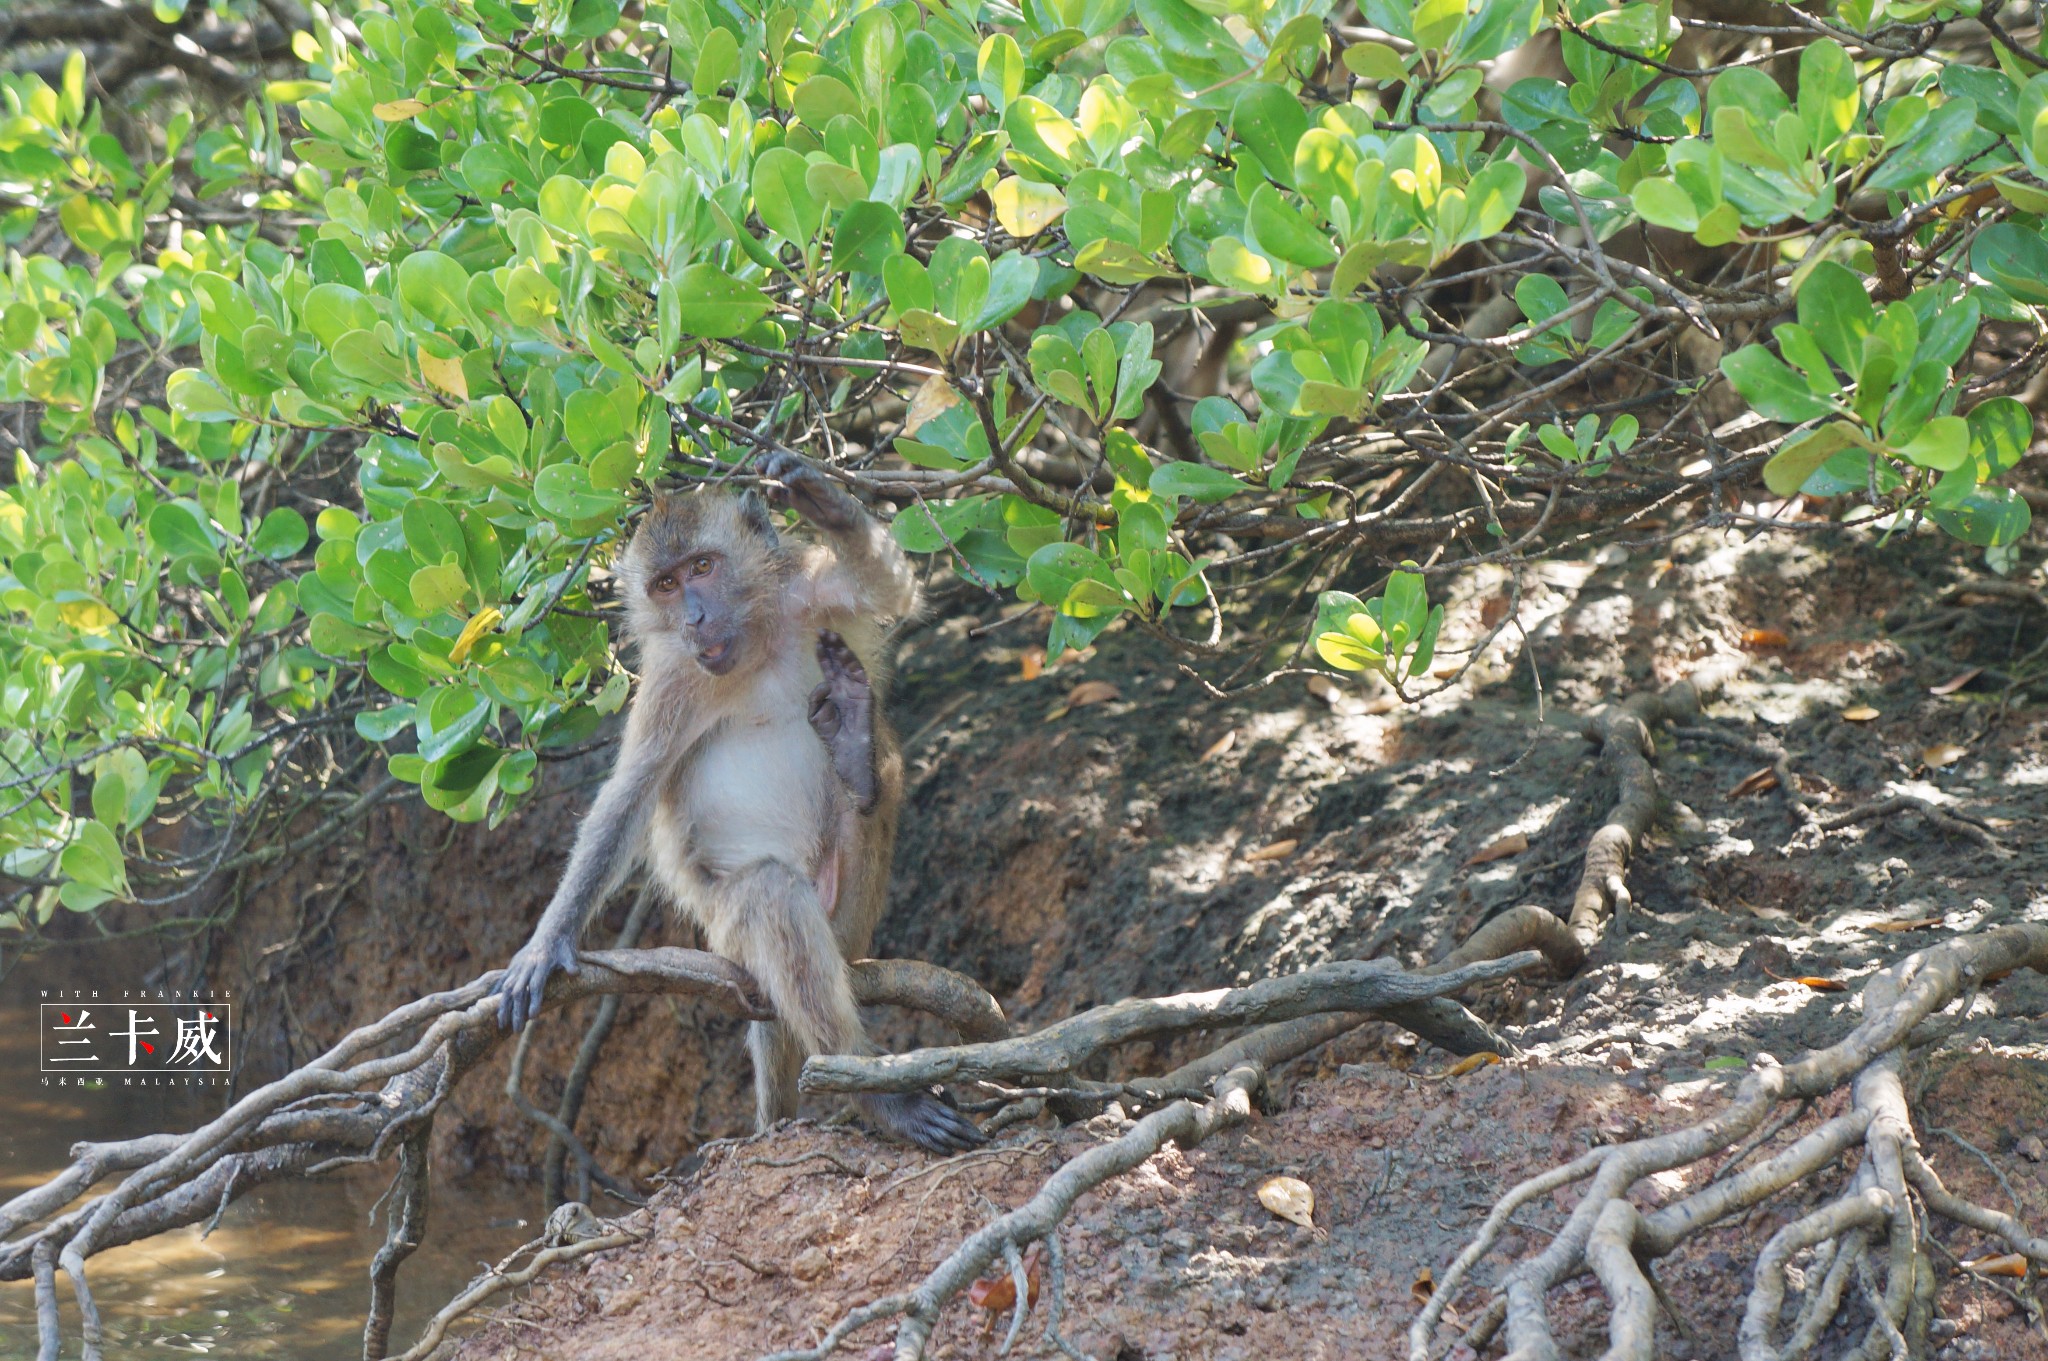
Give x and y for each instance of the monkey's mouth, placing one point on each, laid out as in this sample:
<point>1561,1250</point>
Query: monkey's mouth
<point>717,658</point>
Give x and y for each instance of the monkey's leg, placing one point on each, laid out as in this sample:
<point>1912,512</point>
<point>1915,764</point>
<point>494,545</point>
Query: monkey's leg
<point>769,919</point>
<point>843,716</point>
<point>777,1061</point>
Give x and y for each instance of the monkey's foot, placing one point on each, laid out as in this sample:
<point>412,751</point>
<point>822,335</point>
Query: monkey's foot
<point>923,1119</point>
<point>815,496</point>
<point>843,716</point>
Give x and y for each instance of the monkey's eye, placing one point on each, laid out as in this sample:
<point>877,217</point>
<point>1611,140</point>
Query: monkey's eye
<point>664,584</point>
<point>700,565</point>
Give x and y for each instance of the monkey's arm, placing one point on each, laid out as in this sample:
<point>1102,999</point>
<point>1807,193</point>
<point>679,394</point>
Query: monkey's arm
<point>607,846</point>
<point>870,574</point>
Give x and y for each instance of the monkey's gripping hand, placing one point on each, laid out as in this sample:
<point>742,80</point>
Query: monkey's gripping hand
<point>815,496</point>
<point>843,716</point>
<point>519,992</point>
<point>923,1119</point>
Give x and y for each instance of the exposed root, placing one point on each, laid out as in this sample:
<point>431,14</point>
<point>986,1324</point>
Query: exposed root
<point>320,1116</point>
<point>1872,1226</point>
<point>1184,1124</point>
<point>1054,1053</point>
<point>1960,824</point>
<point>1627,749</point>
<point>1796,800</point>
<point>503,1277</point>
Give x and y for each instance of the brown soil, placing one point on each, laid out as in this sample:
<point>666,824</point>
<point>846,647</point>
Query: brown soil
<point>1109,851</point>
<point>1072,860</point>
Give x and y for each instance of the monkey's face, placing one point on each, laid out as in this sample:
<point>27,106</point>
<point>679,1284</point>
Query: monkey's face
<point>696,593</point>
<point>705,571</point>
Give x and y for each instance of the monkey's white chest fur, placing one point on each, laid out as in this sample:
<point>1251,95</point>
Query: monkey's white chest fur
<point>759,786</point>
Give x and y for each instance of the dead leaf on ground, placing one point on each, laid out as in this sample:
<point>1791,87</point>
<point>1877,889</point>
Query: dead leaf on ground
<point>1916,924</point>
<point>1765,638</point>
<point>1472,1063</point>
<point>1424,1286</point>
<point>1290,1198</point>
<point>1955,683</point>
<point>1814,981</point>
<point>1220,746</point>
<point>1083,695</point>
<point>2004,1264</point>
<point>1325,689</point>
<point>1493,609</point>
<point>1279,850</point>
<point>1755,783</point>
<point>1500,848</point>
<point>1032,664</point>
<point>998,1294</point>
<point>1092,692</point>
<point>1943,754</point>
<point>1861,713</point>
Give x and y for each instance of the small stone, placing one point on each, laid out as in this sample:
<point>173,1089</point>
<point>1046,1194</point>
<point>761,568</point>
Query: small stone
<point>1621,1058</point>
<point>2031,1148</point>
<point>810,1264</point>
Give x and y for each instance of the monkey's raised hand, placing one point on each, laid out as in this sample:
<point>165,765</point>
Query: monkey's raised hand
<point>520,991</point>
<point>843,716</point>
<point>815,496</point>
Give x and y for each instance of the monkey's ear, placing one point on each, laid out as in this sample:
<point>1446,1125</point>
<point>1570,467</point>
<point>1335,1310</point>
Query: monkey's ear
<point>755,515</point>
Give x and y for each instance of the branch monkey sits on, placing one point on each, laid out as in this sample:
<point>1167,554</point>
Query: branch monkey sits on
<point>758,780</point>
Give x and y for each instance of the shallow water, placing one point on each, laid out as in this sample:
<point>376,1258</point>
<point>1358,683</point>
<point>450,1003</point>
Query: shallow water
<point>286,1271</point>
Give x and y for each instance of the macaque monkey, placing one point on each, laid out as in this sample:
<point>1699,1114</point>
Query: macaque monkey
<point>758,779</point>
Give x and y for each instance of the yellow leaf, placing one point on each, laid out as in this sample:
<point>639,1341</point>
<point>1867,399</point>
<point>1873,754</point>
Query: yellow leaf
<point>398,110</point>
<point>1861,713</point>
<point>1514,843</point>
<point>445,374</point>
<point>480,623</point>
<point>1026,207</point>
<point>2005,1264</point>
<point>1471,1063</point>
<point>1092,692</point>
<point>1220,746</point>
<point>1032,664</point>
<point>1279,850</point>
<point>1290,1198</point>
<point>1943,754</point>
<point>933,398</point>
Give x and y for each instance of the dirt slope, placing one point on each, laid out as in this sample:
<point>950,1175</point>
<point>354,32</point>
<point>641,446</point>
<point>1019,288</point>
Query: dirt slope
<point>1116,849</point>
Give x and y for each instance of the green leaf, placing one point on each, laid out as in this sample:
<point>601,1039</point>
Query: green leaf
<point>1282,231</point>
<point>450,722</point>
<point>1770,387</point>
<point>869,234</point>
<point>1196,481</point>
<point>715,305</point>
<point>564,491</point>
<point>1800,458</point>
<point>435,286</point>
<point>783,198</point>
<point>282,533</point>
<point>1270,121</point>
<point>1990,517</point>
<point>1933,146</point>
<point>1942,444</point>
<point>196,397</point>
<point>2015,259</point>
<point>2000,432</point>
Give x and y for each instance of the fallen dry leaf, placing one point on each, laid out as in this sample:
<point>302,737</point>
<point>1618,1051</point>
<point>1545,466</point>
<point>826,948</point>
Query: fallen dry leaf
<point>1755,783</point>
<point>1290,1198</point>
<point>933,398</point>
<point>1500,848</point>
<point>1471,1063</point>
<point>1424,1286</point>
<point>1092,692</point>
<point>998,1294</point>
<point>1279,850</point>
<point>1916,924</point>
<point>1032,664</point>
<point>1955,683</point>
<point>1765,638</point>
<point>1943,754</point>
<point>1814,981</point>
<point>1220,746</point>
<point>1493,609</point>
<point>2004,1264</point>
<point>1325,689</point>
<point>1861,713</point>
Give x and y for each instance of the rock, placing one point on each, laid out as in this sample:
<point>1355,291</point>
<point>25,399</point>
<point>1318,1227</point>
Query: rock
<point>810,1264</point>
<point>2031,1148</point>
